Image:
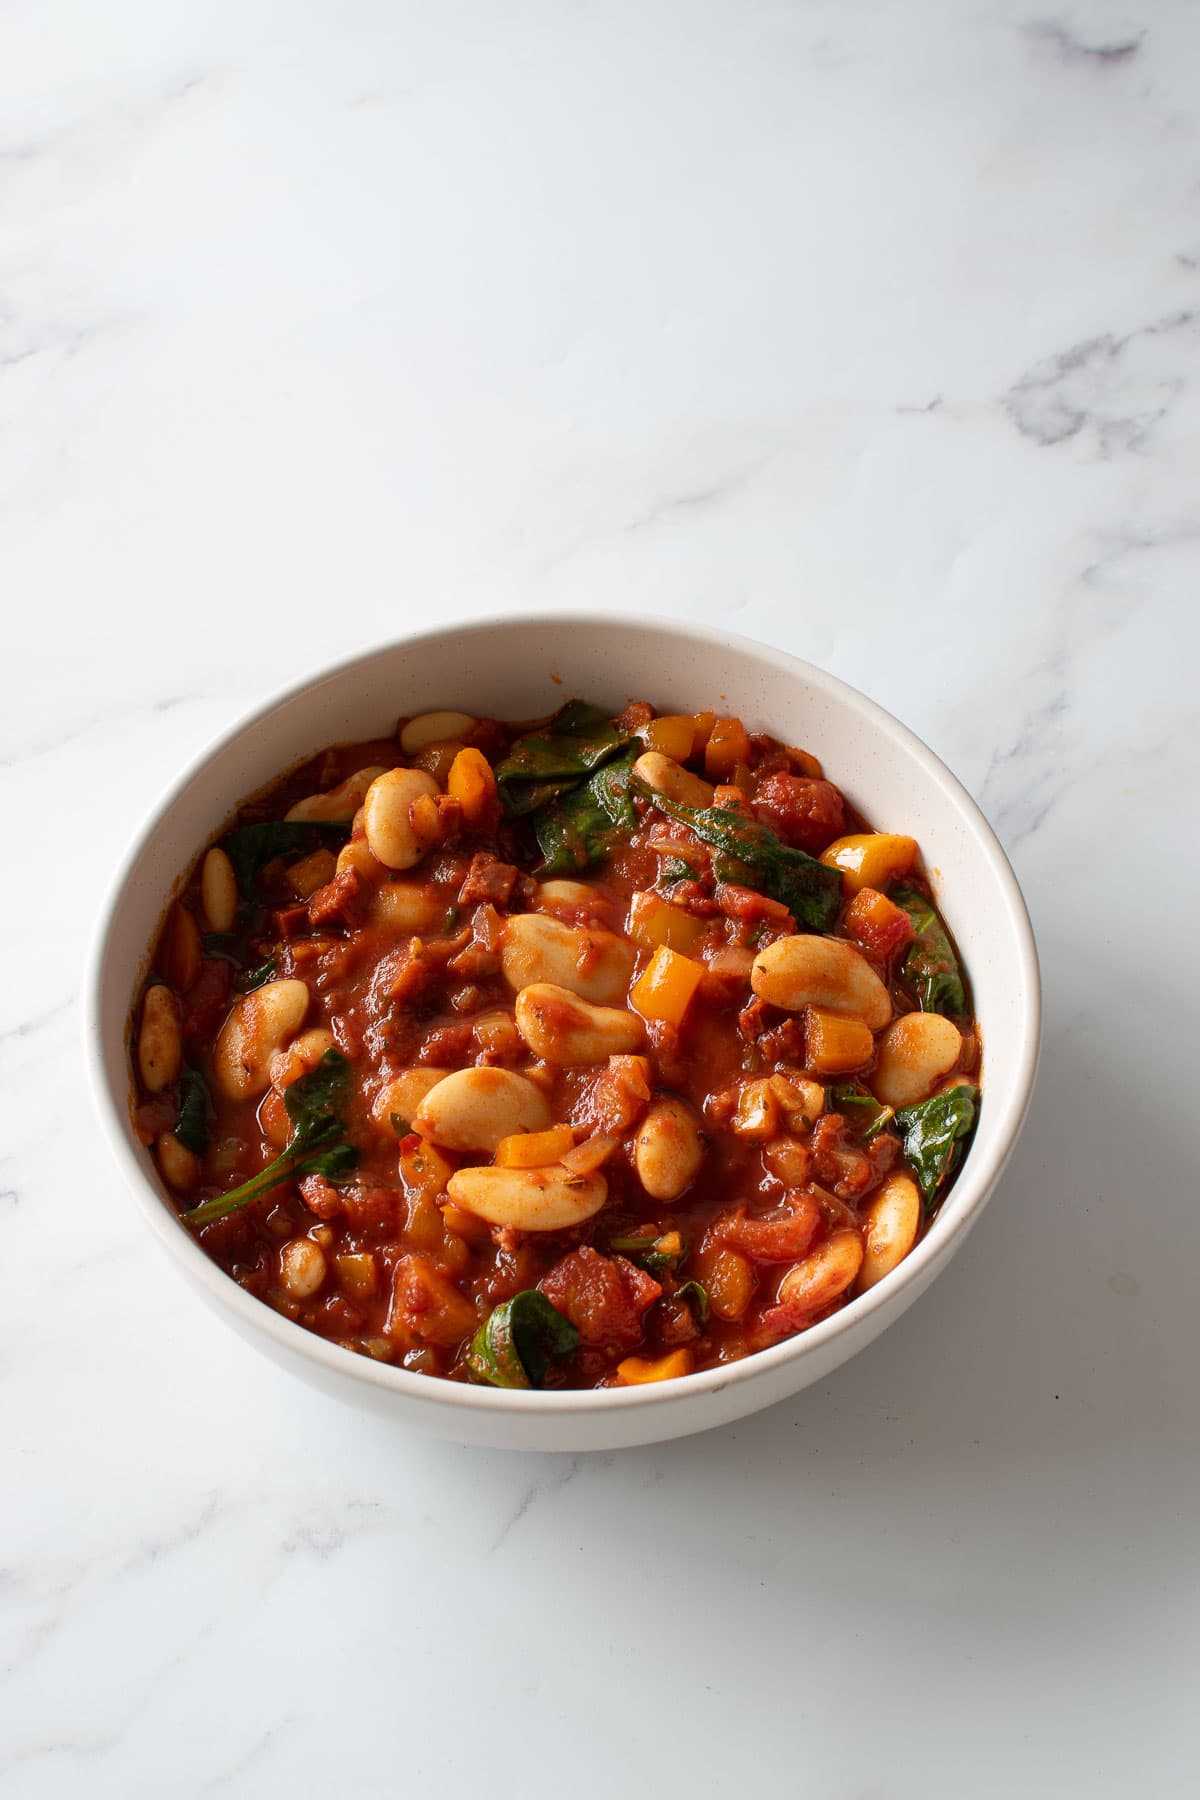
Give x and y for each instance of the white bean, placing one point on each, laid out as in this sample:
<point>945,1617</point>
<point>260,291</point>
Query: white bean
<point>550,1199</point>
<point>593,963</point>
<point>340,804</point>
<point>474,1108</point>
<point>827,973</point>
<point>302,1267</point>
<point>160,1042</point>
<point>815,1283</point>
<point>802,1101</point>
<point>563,1029</point>
<point>385,816</point>
<point>666,776</point>
<point>181,1169</point>
<point>571,896</point>
<point>914,1053</point>
<point>434,728</point>
<point>400,1097</point>
<point>890,1224</point>
<point>668,1149</point>
<point>259,1025</point>
<point>218,890</point>
<point>407,907</point>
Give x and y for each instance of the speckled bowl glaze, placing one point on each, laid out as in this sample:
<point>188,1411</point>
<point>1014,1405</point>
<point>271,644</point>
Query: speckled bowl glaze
<point>519,668</point>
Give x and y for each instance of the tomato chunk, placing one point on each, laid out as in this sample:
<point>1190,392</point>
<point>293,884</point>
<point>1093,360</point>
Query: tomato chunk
<point>806,814</point>
<point>604,1297</point>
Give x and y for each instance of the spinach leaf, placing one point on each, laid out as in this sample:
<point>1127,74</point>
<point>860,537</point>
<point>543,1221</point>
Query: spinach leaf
<point>933,1132</point>
<point>866,1114</point>
<point>195,1108</point>
<point>580,826</point>
<point>673,871</point>
<point>811,892</point>
<point>251,847</point>
<point>930,967</point>
<point>254,978</point>
<point>518,1340</point>
<point>696,1297</point>
<point>650,1252</point>
<point>580,738</point>
<point>318,1144</point>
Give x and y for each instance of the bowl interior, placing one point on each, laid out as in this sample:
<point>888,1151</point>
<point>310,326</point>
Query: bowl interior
<point>520,668</point>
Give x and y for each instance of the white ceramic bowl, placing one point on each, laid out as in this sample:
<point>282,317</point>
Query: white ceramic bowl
<point>519,668</point>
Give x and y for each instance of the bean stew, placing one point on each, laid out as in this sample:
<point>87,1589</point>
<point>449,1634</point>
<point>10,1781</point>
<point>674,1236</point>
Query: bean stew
<point>584,1052</point>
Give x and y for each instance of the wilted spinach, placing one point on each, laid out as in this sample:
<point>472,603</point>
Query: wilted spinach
<point>518,1340</point>
<point>579,739</point>
<point>318,1144</point>
<point>582,824</point>
<point>811,892</point>
<point>933,1133</point>
<point>930,966</point>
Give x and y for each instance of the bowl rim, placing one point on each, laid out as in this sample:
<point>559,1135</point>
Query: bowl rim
<point>979,1175</point>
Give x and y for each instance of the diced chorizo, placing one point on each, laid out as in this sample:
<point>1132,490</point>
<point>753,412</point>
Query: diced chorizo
<point>342,899</point>
<point>488,879</point>
<point>636,716</point>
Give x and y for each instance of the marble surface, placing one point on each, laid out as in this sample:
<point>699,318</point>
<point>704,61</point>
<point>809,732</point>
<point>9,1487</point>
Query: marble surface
<point>869,329</point>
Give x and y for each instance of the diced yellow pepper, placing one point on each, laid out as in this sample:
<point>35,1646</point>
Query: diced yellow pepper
<point>665,989</point>
<point>727,1277</point>
<point>834,1045</point>
<point>358,1274</point>
<point>637,1369</point>
<point>472,783</point>
<point>534,1149</point>
<point>728,746</point>
<point>654,921</point>
<point>311,872</point>
<point>466,1225</point>
<point>673,735</point>
<point>870,858</point>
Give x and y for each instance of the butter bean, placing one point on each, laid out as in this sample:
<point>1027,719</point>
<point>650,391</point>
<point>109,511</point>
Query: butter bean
<point>668,777</point>
<point>550,1199</point>
<point>591,962</point>
<point>302,1267</point>
<point>180,1168</point>
<point>408,907</point>
<point>668,1149</point>
<point>827,973</point>
<point>914,1053</point>
<point>563,1029</point>
<point>434,728</point>
<point>259,1025</point>
<point>218,890</point>
<point>340,804</point>
<point>572,897</point>
<point>474,1108</point>
<point>160,1042</point>
<point>401,1097</point>
<point>890,1225</point>
<point>386,816</point>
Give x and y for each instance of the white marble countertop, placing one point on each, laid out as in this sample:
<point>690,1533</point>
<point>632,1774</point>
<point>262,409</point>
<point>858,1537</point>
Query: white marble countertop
<point>870,329</point>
